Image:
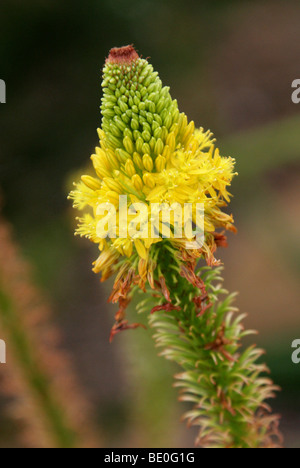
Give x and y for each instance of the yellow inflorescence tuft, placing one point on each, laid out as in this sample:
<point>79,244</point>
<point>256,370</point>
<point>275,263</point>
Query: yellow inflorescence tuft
<point>151,153</point>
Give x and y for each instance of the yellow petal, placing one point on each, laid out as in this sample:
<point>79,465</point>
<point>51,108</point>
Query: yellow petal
<point>141,249</point>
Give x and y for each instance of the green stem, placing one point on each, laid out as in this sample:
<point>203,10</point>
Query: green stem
<point>34,376</point>
<point>228,388</point>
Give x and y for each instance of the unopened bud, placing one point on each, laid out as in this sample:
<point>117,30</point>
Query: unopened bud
<point>137,160</point>
<point>129,168</point>
<point>137,182</point>
<point>160,163</point>
<point>149,180</point>
<point>91,182</point>
<point>128,145</point>
<point>159,147</point>
<point>148,162</point>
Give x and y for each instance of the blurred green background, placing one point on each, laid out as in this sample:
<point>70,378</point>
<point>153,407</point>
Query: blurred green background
<point>230,64</point>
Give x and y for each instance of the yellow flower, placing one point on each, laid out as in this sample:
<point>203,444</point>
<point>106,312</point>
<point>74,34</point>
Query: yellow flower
<point>151,153</point>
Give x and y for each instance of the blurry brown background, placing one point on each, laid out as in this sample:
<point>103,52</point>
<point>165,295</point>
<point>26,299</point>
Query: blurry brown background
<point>231,65</point>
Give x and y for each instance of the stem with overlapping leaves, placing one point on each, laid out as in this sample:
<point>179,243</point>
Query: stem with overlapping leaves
<point>197,327</point>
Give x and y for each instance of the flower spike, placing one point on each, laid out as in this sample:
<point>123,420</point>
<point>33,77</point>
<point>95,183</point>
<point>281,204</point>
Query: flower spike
<point>155,204</point>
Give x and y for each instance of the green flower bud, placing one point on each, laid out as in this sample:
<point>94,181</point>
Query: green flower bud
<point>128,133</point>
<point>151,106</point>
<point>113,141</point>
<point>117,110</point>
<point>135,124</point>
<point>148,162</point>
<point>146,127</point>
<point>123,106</point>
<point>152,144</point>
<point>164,134</point>
<point>154,97</point>
<point>115,130</point>
<point>146,136</point>
<point>155,126</point>
<point>122,155</point>
<point>139,145</point>
<point>158,119</point>
<point>136,135</point>
<point>108,113</point>
<point>109,104</point>
<point>120,123</point>
<point>125,119</point>
<point>129,168</point>
<point>128,145</point>
<point>159,147</point>
<point>157,133</point>
<point>160,105</point>
<point>146,148</point>
<point>137,160</point>
<point>150,118</point>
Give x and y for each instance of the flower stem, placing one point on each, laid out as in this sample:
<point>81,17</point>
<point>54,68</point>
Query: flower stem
<point>202,333</point>
<point>63,436</point>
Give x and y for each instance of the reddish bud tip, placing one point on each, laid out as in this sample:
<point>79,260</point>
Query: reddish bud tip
<point>122,55</point>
